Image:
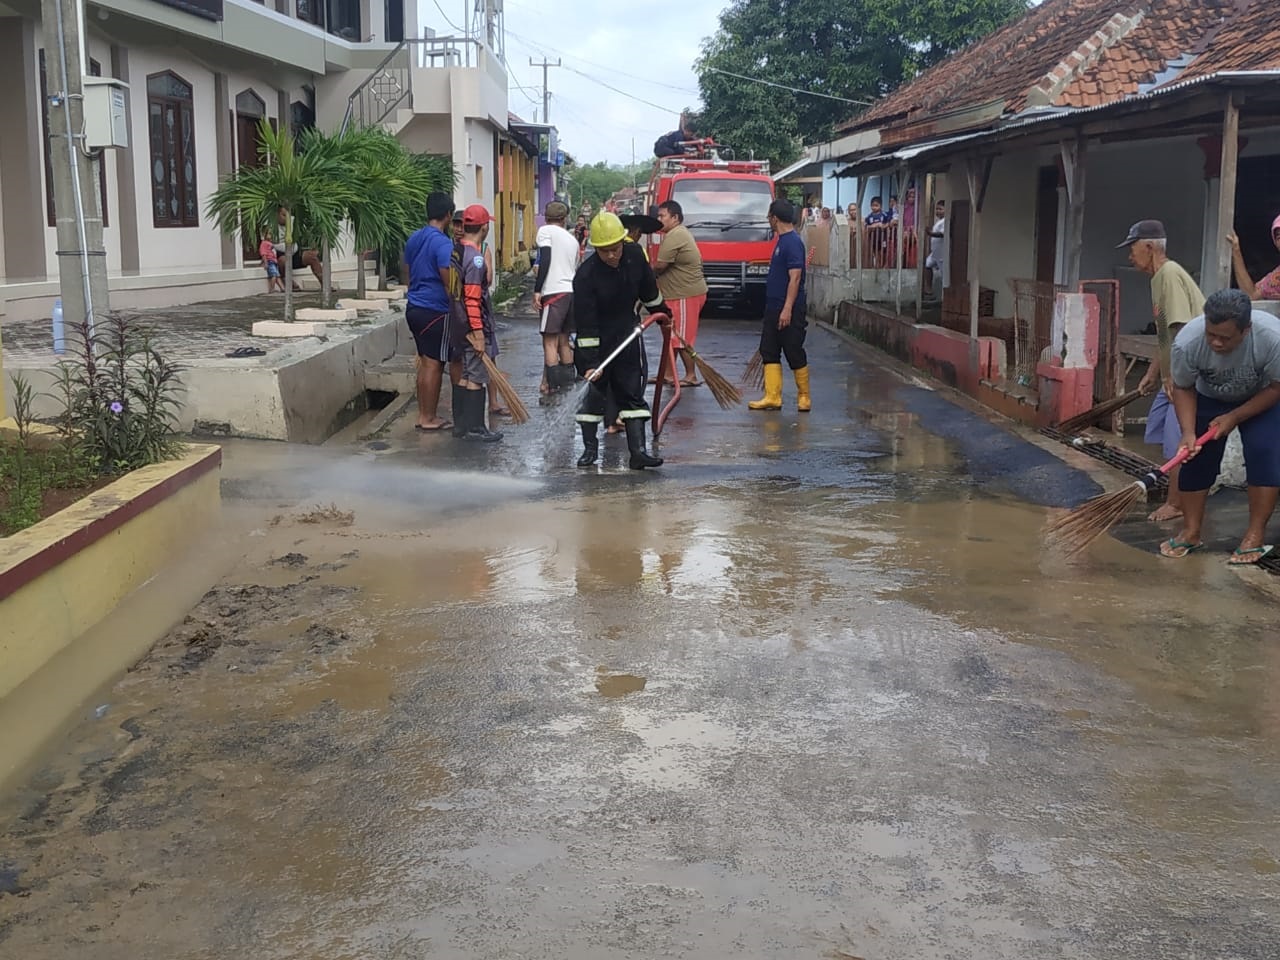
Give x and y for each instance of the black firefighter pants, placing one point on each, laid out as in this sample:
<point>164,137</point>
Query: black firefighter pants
<point>620,387</point>
<point>789,340</point>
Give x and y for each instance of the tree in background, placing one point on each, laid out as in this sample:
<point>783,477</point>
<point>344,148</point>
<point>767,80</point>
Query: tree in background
<point>854,49</point>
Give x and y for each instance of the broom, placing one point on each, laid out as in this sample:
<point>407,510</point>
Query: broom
<point>753,376</point>
<point>1087,522</point>
<point>510,399</point>
<point>726,393</point>
<point>1082,420</point>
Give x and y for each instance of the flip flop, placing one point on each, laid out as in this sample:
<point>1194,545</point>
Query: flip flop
<point>421,429</point>
<point>1255,554</point>
<point>690,383</point>
<point>1186,548</point>
<point>499,412</point>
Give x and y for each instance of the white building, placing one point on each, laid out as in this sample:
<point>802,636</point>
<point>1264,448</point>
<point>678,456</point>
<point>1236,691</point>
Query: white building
<point>201,74</point>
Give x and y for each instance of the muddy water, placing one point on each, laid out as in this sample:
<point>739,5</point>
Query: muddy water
<point>812,691</point>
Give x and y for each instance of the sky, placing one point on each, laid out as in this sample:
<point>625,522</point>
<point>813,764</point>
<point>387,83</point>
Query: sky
<point>645,50</point>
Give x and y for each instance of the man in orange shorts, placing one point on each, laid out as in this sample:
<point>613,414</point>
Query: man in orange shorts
<point>680,280</point>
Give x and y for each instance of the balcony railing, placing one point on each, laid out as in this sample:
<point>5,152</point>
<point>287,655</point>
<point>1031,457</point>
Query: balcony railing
<point>390,85</point>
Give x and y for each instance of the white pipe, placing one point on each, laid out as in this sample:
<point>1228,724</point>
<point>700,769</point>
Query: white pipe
<point>73,155</point>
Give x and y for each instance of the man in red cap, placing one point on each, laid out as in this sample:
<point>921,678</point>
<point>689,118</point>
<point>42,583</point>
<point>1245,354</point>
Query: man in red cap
<point>473,329</point>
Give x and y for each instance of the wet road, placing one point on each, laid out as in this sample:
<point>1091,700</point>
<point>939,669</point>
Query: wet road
<point>814,689</point>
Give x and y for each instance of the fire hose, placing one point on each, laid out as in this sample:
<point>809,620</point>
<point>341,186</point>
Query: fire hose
<point>666,365</point>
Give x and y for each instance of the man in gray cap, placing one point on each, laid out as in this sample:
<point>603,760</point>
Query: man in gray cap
<point>1176,299</point>
<point>553,296</point>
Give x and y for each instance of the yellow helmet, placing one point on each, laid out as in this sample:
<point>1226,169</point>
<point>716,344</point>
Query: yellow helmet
<point>607,229</point>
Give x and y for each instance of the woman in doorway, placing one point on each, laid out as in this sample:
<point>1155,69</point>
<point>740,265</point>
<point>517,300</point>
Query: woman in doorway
<point>1268,288</point>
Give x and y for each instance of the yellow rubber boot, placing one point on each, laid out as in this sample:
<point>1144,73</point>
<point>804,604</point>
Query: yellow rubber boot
<point>772,399</point>
<point>802,388</point>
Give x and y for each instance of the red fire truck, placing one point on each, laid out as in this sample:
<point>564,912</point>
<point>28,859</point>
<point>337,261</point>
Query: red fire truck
<point>726,208</point>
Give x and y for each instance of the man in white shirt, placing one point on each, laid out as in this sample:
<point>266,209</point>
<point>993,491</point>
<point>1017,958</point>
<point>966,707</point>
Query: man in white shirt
<point>553,296</point>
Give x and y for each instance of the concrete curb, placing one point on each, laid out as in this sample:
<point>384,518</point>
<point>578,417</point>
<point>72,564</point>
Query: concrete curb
<point>388,413</point>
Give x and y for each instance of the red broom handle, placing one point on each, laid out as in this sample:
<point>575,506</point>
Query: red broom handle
<point>1181,456</point>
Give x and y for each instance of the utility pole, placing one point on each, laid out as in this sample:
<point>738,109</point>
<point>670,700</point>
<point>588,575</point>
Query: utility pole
<point>546,94</point>
<point>82,259</point>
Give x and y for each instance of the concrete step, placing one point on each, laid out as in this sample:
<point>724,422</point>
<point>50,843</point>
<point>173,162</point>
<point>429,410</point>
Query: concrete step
<point>397,375</point>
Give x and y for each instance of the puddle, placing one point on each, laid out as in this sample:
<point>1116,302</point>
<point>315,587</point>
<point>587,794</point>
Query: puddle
<point>619,685</point>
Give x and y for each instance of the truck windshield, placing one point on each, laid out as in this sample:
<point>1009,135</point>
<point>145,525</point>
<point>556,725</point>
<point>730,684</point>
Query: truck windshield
<point>725,210</point>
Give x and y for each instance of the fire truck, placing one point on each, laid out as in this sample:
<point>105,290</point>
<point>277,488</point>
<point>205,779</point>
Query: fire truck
<point>726,208</point>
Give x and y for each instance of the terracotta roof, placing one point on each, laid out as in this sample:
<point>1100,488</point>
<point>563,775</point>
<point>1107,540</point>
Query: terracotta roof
<point>1085,53</point>
<point>1249,40</point>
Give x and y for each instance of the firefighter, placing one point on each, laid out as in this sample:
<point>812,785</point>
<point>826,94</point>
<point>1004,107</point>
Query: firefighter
<point>606,291</point>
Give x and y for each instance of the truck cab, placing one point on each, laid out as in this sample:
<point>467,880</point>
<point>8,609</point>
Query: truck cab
<point>726,209</point>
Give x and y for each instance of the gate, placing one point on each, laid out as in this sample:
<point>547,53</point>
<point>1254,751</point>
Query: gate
<point>1108,375</point>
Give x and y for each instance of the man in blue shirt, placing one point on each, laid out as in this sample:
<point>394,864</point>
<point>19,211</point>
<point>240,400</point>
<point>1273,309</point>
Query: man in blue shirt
<point>784,321</point>
<point>427,258</point>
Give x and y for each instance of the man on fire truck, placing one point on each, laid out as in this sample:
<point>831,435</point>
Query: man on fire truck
<point>606,290</point>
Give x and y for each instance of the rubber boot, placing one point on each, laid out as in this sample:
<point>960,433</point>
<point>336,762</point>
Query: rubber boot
<point>803,403</point>
<point>460,413</point>
<point>635,443</point>
<point>772,399</point>
<point>568,376</point>
<point>590,444</point>
<point>552,373</point>
<point>476,402</point>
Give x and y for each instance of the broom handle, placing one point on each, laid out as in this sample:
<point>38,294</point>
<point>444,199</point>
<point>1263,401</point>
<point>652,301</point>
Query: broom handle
<point>1181,456</point>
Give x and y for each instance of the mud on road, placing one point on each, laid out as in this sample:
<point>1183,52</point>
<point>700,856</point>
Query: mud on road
<point>814,690</point>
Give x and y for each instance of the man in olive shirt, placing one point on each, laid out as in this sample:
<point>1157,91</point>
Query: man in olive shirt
<point>680,280</point>
<point>1175,299</point>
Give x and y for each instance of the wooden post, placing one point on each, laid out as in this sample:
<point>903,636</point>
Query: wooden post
<point>924,223</point>
<point>858,235</point>
<point>899,234</point>
<point>1226,196</point>
<point>977,172</point>
<point>1073,164</point>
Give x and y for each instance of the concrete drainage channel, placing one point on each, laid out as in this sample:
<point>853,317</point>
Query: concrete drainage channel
<point>1133,465</point>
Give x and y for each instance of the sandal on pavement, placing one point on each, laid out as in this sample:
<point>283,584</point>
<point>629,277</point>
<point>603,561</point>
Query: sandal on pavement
<point>444,425</point>
<point>1177,549</point>
<point>1248,556</point>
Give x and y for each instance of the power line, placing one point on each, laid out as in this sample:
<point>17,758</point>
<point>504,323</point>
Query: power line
<point>446,18</point>
<point>544,49</point>
<point>620,92</point>
<point>783,86</point>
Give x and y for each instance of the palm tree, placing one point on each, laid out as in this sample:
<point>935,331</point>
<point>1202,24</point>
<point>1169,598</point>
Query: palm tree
<point>308,186</point>
<point>388,187</point>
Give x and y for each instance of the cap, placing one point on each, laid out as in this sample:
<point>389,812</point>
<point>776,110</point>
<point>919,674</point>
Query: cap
<point>1143,230</point>
<point>457,216</point>
<point>476,215</point>
<point>557,210</point>
<point>643,222</point>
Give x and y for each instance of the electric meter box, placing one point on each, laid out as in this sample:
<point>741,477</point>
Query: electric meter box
<point>106,122</point>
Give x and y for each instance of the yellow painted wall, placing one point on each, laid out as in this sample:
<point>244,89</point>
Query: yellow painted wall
<point>518,170</point>
<point>44,620</point>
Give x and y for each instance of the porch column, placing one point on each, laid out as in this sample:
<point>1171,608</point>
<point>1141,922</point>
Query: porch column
<point>858,234</point>
<point>126,179</point>
<point>924,222</point>
<point>1221,253</point>
<point>21,160</point>
<point>224,122</point>
<point>977,176</point>
<point>1073,164</point>
<point>899,235</point>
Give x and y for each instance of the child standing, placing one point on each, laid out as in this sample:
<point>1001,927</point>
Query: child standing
<point>271,263</point>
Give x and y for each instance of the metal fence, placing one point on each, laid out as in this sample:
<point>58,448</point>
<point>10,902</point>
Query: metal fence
<point>1033,302</point>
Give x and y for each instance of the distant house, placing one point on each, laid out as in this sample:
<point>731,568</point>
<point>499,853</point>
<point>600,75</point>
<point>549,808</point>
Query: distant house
<point>1049,137</point>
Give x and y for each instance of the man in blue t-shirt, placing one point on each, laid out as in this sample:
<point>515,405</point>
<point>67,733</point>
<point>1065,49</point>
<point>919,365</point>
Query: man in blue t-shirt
<point>784,321</point>
<point>427,258</point>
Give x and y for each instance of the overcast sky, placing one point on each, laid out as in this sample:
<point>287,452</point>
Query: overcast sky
<point>651,47</point>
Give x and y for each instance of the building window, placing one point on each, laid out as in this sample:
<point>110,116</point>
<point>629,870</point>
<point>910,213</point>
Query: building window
<point>312,11</point>
<point>171,124</point>
<point>95,70</point>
